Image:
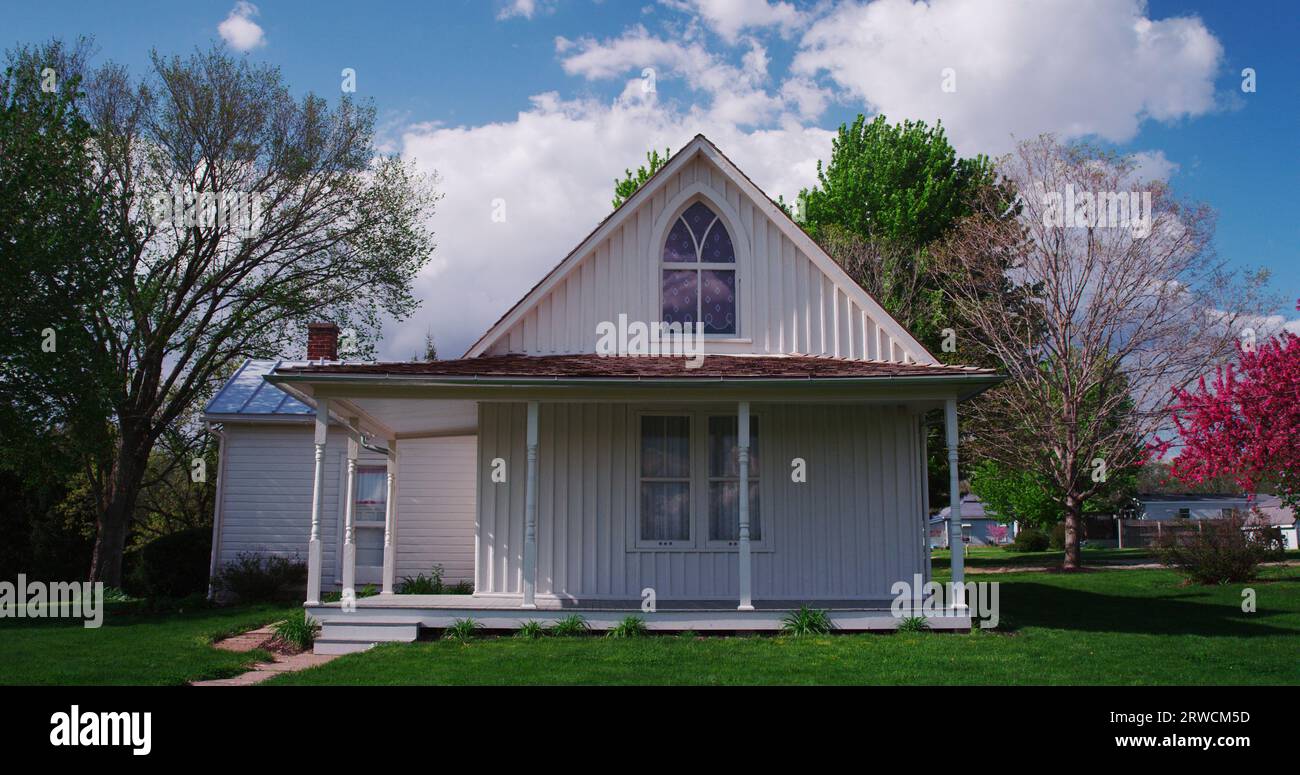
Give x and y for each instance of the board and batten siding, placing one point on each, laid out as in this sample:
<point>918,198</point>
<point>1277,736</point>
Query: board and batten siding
<point>267,491</point>
<point>787,304</point>
<point>857,525</point>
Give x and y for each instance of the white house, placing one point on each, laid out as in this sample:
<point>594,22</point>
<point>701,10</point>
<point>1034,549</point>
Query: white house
<point>572,460</point>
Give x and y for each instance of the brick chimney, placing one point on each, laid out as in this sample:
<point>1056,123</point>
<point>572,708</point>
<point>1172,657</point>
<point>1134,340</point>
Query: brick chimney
<point>322,342</point>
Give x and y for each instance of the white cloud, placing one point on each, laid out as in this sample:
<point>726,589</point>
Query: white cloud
<point>525,9</point>
<point>554,166</point>
<point>1151,165</point>
<point>239,30</point>
<point>729,18</point>
<point>1076,69</point>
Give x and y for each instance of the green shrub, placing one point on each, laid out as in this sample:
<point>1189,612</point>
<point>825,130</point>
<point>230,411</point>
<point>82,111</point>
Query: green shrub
<point>421,584</point>
<point>172,566</point>
<point>460,588</point>
<point>630,627</point>
<point>369,590</point>
<point>1057,538</point>
<point>806,621</point>
<point>461,630</point>
<point>1030,539</point>
<point>1217,552</point>
<point>253,578</point>
<point>531,630</point>
<point>298,631</point>
<point>573,624</point>
<point>688,635</point>
<point>913,624</point>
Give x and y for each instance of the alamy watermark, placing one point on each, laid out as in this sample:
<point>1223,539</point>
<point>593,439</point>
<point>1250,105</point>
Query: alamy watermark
<point>53,600</point>
<point>652,340</point>
<point>239,213</point>
<point>932,598</point>
<point>1097,209</point>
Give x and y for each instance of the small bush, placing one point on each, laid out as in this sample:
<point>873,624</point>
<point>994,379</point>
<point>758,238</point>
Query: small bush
<point>570,625</point>
<point>253,578</point>
<point>173,566</point>
<point>913,624</point>
<point>369,590</point>
<point>422,584</point>
<point>630,627</point>
<point>1031,539</point>
<point>460,588</point>
<point>806,621</point>
<point>297,632</point>
<point>688,635</point>
<point>530,630</point>
<point>461,630</point>
<point>1057,538</point>
<point>1218,552</point>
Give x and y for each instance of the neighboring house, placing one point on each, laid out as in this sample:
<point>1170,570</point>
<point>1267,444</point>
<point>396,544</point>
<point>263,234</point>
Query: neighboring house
<point>1189,506</point>
<point>786,468</point>
<point>1271,513</point>
<point>979,527</point>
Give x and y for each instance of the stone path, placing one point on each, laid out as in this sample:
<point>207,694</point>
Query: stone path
<point>280,663</point>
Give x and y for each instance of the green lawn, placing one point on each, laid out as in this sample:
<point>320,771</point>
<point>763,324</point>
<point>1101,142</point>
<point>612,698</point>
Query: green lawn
<point>1098,627</point>
<point>997,557</point>
<point>131,647</point>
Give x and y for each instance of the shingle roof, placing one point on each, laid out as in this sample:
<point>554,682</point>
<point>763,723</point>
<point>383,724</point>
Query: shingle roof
<point>247,393</point>
<point>591,366</point>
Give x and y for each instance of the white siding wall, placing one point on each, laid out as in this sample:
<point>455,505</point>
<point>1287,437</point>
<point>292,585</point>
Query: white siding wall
<point>787,304</point>
<point>850,531</point>
<point>266,498</point>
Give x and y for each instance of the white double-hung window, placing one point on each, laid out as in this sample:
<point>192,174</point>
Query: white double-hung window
<point>689,481</point>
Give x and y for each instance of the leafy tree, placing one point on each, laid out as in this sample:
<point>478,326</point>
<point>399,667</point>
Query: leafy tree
<point>625,188</point>
<point>1028,498</point>
<point>898,183</point>
<point>239,214</point>
<point>1246,424</point>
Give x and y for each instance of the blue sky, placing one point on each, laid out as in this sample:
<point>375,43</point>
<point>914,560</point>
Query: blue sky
<point>541,102</point>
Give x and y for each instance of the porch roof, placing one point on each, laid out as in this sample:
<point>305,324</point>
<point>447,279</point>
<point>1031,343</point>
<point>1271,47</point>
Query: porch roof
<point>617,368</point>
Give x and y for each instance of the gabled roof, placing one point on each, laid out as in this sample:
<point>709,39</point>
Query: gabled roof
<point>248,395</point>
<point>701,145</point>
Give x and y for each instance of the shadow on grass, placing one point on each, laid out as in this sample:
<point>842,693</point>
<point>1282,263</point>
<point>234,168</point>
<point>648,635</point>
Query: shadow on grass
<point>1045,605</point>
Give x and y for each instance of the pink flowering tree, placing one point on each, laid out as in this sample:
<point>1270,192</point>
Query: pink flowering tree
<point>998,534</point>
<point>1246,424</point>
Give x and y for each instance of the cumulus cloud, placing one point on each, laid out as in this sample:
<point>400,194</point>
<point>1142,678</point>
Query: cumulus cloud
<point>729,18</point>
<point>239,30</point>
<point>1021,69</point>
<point>524,9</point>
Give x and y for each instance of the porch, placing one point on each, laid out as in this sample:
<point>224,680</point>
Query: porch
<point>400,618</point>
<point>594,490</point>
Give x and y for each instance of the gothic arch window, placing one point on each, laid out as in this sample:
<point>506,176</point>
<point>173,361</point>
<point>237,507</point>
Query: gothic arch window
<point>699,272</point>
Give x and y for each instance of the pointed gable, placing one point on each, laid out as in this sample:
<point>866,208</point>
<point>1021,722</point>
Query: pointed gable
<point>786,295</point>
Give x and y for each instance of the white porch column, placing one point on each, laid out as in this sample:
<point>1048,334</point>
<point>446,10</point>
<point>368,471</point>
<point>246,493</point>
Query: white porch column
<point>390,520</point>
<point>349,518</point>
<point>955,544</point>
<point>317,503</point>
<point>530,511</point>
<point>746,599</point>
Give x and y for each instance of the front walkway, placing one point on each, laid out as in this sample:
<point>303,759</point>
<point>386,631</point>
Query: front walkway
<point>280,663</point>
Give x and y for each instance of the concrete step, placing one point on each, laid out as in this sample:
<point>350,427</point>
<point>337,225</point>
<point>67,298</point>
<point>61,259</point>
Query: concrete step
<point>340,646</point>
<point>373,632</point>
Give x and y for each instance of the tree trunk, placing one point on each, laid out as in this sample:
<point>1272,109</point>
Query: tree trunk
<point>124,488</point>
<point>1073,526</point>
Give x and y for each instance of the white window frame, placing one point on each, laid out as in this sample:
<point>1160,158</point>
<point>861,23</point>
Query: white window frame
<point>699,483</point>
<point>701,266</point>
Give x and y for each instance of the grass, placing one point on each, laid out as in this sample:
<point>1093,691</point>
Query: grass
<point>1101,627</point>
<point>132,647</point>
<point>998,557</point>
